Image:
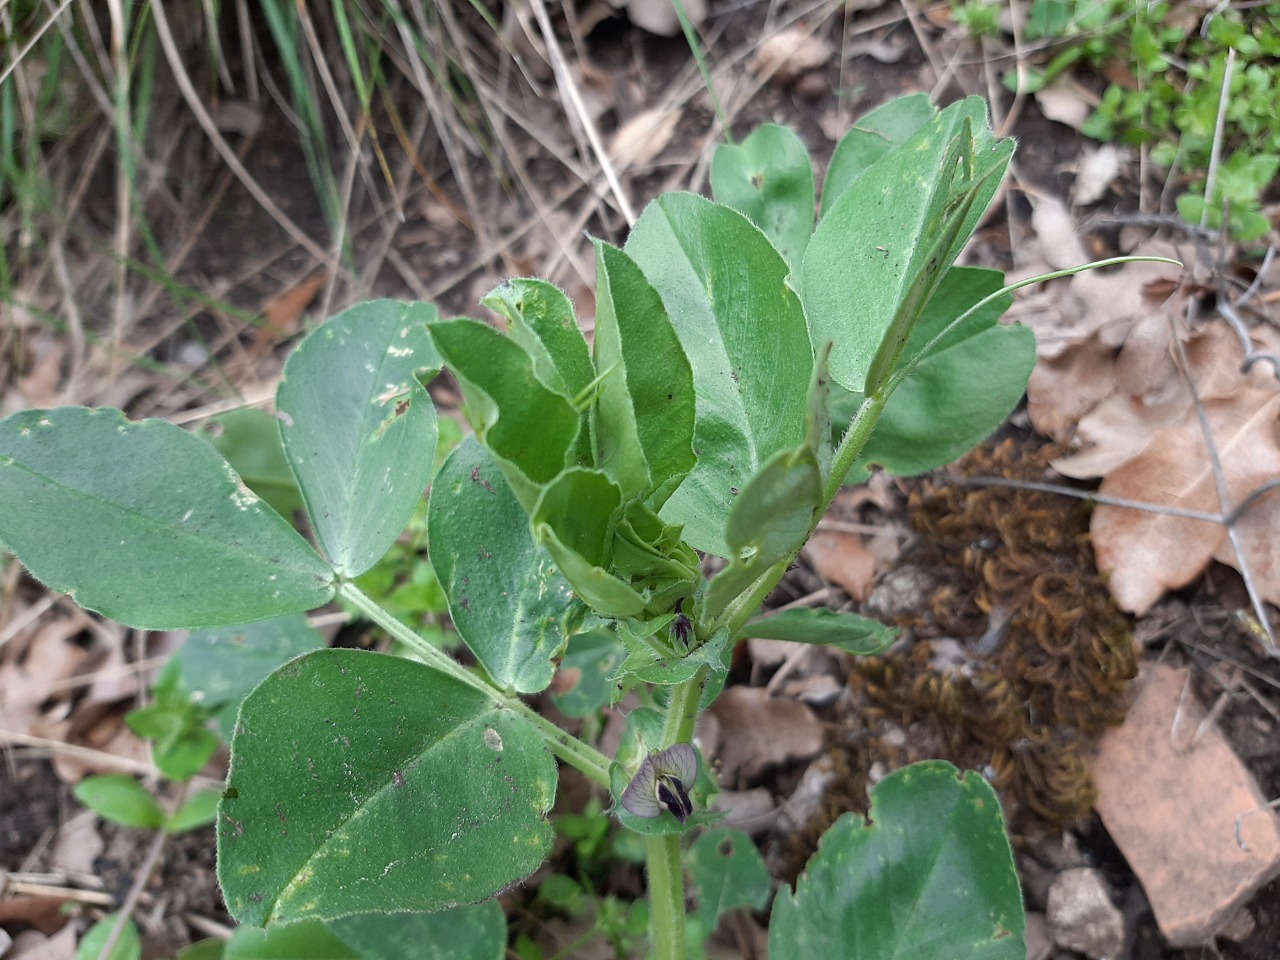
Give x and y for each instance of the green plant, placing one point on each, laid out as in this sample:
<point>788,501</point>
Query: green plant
<point>181,745</point>
<point>979,18</point>
<point>1178,66</point>
<point>699,422</point>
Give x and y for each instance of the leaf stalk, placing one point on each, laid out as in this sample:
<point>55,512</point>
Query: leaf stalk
<point>590,762</point>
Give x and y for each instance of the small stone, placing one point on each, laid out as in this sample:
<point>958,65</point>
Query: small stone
<point>812,87</point>
<point>1240,927</point>
<point>1082,916</point>
<point>1185,811</point>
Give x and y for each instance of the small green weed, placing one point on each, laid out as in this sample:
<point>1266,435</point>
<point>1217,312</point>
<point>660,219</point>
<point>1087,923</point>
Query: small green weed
<point>1174,61</point>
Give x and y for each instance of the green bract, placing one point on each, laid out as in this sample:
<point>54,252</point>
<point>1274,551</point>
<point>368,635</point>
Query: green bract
<point>745,363</point>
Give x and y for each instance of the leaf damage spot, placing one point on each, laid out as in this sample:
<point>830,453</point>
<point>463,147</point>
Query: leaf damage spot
<point>242,496</point>
<point>493,739</point>
<point>476,478</point>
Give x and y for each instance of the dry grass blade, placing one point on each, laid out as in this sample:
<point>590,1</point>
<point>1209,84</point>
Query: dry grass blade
<point>569,90</point>
<point>35,39</point>
<point>165,36</point>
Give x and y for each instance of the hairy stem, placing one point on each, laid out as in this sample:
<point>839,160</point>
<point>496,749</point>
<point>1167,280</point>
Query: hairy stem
<point>666,897</point>
<point>682,710</point>
<point>591,762</point>
<point>851,445</point>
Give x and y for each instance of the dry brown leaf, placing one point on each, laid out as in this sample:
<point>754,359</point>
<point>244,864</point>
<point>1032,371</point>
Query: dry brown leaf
<point>1112,302</point>
<point>1117,429</point>
<point>767,654</point>
<point>841,558</point>
<point>1056,236</point>
<point>1258,532</point>
<point>758,732</point>
<point>1146,553</point>
<point>1064,102</point>
<point>106,733</point>
<point>47,914</point>
<point>1149,393</point>
<point>643,137</point>
<point>31,945</point>
<point>1107,304</point>
<point>1097,170</point>
<point>789,53</point>
<point>282,316</point>
<point>78,845</point>
<point>40,387</point>
<point>35,662</point>
<point>1064,387</point>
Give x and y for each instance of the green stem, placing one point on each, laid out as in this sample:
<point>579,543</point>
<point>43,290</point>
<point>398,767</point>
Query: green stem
<point>682,710</point>
<point>591,762</point>
<point>851,445</point>
<point>662,854</point>
<point>666,880</point>
<point>666,897</point>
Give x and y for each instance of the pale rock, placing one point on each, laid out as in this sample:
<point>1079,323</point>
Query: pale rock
<point>1082,916</point>
<point>801,808</point>
<point>754,811</point>
<point>1185,811</point>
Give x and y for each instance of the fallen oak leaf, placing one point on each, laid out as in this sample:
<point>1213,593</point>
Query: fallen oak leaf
<point>1147,553</point>
<point>1147,395</point>
<point>282,315</point>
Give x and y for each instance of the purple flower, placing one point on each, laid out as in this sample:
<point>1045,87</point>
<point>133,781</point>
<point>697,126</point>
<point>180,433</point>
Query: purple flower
<point>663,780</point>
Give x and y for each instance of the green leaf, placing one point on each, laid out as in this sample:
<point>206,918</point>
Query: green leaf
<point>507,599</point>
<point>860,636</point>
<point>961,390</point>
<point>477,932</point>
<point>220,666</point>
<point>582,507</point>
<point>598,588</point>
<point>176,724</point>
<point>365,783</point>
<point>181,758</point>
<point>164,536</point>
<point>529,427</point>
<point>646,664</point>
<point>643,419</point>
<point>211,948</point>
<point>359,428</point>
<point>249,439</point>
<point>768,178</point>
<point>879,254</point>
<point>308,940</point>
<point>121,799</point>
<point>929,876</point>
<point>725,288</point>
<point>128,946</point>
<point>873,136</point>
<point>200,810</point>
<point>582,684</point>
<point>728,872</point>
<point>542,320</point>
<point>574,520</point>
<point>771,518</point>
